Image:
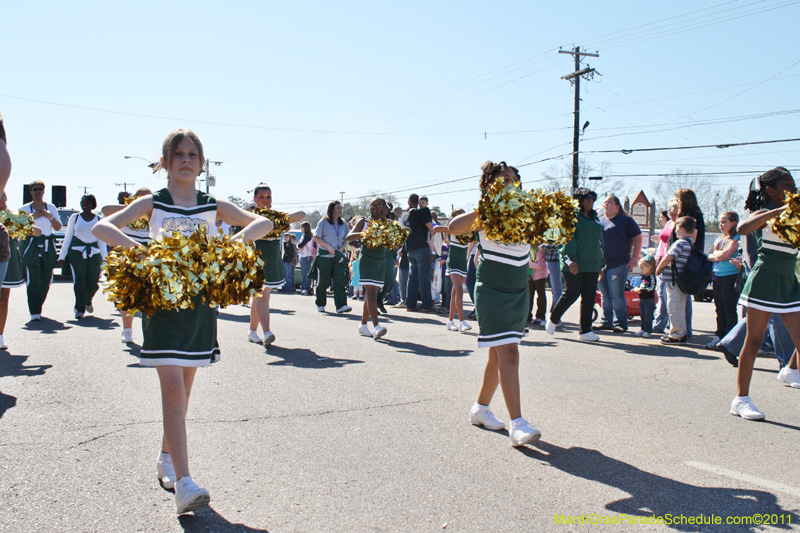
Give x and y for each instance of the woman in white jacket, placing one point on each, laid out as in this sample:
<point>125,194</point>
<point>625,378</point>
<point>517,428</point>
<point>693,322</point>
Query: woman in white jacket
<point>85,254</point>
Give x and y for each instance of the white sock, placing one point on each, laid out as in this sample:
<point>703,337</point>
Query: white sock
<point>480,407</point>
<point>792,370</point>
<point>164,457</point>
<point>517,421</point>
<point>742,398</point>
<point>254,331</point>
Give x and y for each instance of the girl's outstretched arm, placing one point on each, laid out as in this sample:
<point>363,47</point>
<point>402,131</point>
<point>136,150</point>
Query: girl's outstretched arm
<point>464,223</point>
<point>355,234</point>
<point>297,216</point>
<point>255,226</point>
<point>107,229</point>
<point>758,220</point>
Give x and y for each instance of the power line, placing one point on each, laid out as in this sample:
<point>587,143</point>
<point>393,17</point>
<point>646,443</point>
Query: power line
<point>728,145</point>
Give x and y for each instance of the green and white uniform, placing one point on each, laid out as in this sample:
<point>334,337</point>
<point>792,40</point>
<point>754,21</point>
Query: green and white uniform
<point>183,337</point>
<point>372,268</point>
<point>388,275</point>
<point>456,257</point>
<point>39,258</point>
<point>772,285</point>
<point>270,250</point>
<point>142,236</point>
<point>14,275</point>
<point>85,254</point>
<point>501,292</point>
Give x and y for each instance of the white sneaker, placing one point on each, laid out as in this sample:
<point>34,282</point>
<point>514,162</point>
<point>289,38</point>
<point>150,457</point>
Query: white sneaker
<point>639,333</point>
<point>378,332</point>
<point>321,308</point>
<point>523,433</point>
<point>451,326</point>
<point>479,416</point>
<point>713,343</point>
<point>364,330</point>
<point>127,335</point>
<point>588,336</point>
<point>3,345</point>
<point>254,337</point>
<point>464,327</point>
<point>344,309</point>
<point>550,327</point>
<point>269,338</point>
<point>78,314</point>
<point>304,292</point>
<point>745,408</point>
<point>90,309</point>
<point>787,375</point>
<point>36,318</point>
<point>166,472</point>
<point>188,496</point>
<point>645,335</point>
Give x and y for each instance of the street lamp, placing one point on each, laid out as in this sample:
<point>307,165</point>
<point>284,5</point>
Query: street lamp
<point>150,164</point>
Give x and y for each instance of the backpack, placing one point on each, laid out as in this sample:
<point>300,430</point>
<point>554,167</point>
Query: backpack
<point>696,274</point>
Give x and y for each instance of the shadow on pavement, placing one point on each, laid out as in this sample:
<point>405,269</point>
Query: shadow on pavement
<point>304,358</point>
<point>46,325</point>
<point>207,520</point>
<point>421,349</point>
<point>93,322</point>
<point>656,495</point>
<point>656,350</point>
<point>222,315</point>
<point>6,402</point>
<point>13,366</point>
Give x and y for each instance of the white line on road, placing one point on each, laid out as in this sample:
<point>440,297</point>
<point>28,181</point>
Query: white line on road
<point>746,477</point>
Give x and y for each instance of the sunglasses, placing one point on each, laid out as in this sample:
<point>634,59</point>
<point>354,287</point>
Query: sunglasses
<point>37,189</point>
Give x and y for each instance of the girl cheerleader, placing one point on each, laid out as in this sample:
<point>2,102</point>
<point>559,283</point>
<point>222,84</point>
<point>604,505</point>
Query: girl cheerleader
<point>140,232</point>
<point>771,286</point>
<point>12,268</point>
<point>275,277</point>
<point>177,342</point>
<point>456,268</point>
<point>501,302</point>
<point>371,270</point>
<point>725,274</point>
<point>85,254</point>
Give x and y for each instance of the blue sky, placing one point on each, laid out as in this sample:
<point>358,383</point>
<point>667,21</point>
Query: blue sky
<point>318,98</point>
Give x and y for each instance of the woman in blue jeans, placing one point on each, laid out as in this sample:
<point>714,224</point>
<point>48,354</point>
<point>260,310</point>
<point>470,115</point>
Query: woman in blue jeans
<point>306,249</point>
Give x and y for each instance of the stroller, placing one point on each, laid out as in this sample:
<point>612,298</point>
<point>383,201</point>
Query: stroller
<point>631,299</point>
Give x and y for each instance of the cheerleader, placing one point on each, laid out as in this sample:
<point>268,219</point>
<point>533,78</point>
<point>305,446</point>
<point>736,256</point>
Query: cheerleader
<point>270,250</point>
<point>372,269</point>
<point>5,159</point>
<point>501,302</point>
<point>39,252</point>
<point>10,271</point>
<point>456,268</point>
<point>771,286</point>
<point>85,254</point>
<point>177,342</point>
<point>139,231</point>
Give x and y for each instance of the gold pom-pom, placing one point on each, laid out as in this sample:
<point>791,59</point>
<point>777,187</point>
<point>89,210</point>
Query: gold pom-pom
<point>19,225</point>
<point>142,224</point>
<point>466,238</point>
<point>384,232</point>
<point>787,224</point>
<point>232,272</point>
<point>511,215</point>
<point>176,269</point>
<point>279,219</point>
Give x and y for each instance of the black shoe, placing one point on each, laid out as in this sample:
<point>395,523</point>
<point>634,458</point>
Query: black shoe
<point>666,339</point>
<point>729,356</point>
<point>603,327</point>
<point>620,329</point>
<point>472,316</point>
<point>382,309</point>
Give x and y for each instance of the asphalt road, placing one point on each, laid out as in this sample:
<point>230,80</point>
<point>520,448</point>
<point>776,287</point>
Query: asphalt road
<point>330,432</point>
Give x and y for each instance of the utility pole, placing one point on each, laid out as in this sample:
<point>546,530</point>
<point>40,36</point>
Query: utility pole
<point>85,189</point>
<point>124,185</point>
<point>208,173</point>
<point>575,78</point>
<point>341,200</point>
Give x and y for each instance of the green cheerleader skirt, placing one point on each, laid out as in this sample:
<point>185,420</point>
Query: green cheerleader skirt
<point>15,276</point>
<point>372,266</point>
<point>182,337</point>
<point>501,303</point>
<point>767,290</point>
<point>274,275</point>
<point>457,261</point>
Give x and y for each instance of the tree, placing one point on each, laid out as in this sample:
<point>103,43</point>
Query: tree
<point>235,200</point>
<point>559,177</point>
<point>314,217</point>
<point>713,200</point>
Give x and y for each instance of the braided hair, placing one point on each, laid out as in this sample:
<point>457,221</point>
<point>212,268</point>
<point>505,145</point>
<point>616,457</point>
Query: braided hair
<point>490,171</point>
<point>582,194</point>
<point>758,198</point>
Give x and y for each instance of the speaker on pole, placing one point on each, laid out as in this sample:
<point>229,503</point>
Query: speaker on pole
<point>59,195</point>
<point>26,194</point>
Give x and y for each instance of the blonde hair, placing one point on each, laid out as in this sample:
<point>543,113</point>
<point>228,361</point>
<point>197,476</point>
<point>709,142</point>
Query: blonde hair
<point>171,143</point>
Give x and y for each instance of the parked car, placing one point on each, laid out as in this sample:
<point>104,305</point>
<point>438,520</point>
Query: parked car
<point>64,214</point>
